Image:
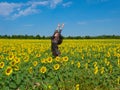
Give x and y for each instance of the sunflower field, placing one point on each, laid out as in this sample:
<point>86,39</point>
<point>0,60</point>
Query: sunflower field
<point>87,64</point>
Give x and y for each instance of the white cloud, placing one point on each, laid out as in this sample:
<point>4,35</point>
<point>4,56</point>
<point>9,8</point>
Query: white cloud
<point>25,12</point>
<point>16,10</point>
<point>53,3</point>
<point>7,8</point>
<point>67,4</point>
<point>38,3</point>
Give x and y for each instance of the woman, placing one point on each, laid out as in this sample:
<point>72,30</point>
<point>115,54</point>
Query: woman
<point>56,40</point>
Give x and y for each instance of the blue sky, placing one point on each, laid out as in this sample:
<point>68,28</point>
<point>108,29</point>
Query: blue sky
<point>81,17</point>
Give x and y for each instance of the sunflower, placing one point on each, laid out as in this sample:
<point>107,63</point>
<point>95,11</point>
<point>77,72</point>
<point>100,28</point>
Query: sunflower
<point>96,70</point>
<point>49,86</point>
<point>11,57</point>
<point>43,69</point>
<point>105,60</point>
<point>49,59</point>
<point>56,66</point>
<point>12,63</point>
<point>86,65</point>
<point>17,60</point>
<point>30,70</point>
<point>108,54</point>
<point>77,87</point>
<point>43,61</point>
<point>78,64</point>
<point>38,55</point>
<point>35,63</point>
<point>57,59</point>
<point>102,70</point>
<point>72,62</point>
<point>108,63</point>
<point>2,64</point>
<point>16,68</point>
<point>8,71</point>
<point>95,64</point>
<point>65,58</point>
<point>26,58</point>
<point>1,57</point>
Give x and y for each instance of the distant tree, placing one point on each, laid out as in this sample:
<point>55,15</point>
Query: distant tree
<point>67,37</point>
<point>87,37</point>
<point>43,37</point>
<point>38,37</point>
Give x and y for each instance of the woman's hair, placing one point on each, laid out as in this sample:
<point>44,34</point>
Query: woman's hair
<point>56,31</point>
<point>53,36</point>
<point>60,37</point>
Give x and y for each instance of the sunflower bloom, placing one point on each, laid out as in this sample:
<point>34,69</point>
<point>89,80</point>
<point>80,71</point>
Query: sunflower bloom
<point>49,86</point>
<point>35,63</point>
<point>2,64</point>
<point>105,60</point>
<point>43,61</point>
<point>77,87</point>
<point>118,55</point>
<point>56,66</point>
<point>1,57</point>
<point>82,57</point>
<point>8,71</point>
<point>11,57</point>
<point>43,69</point>
<point>65,58</point>
<point>72,62</point>
<point>95,64</point>
<point>108,54</point>
<point>108,63</point>
<point>38,55</point>
<point>86,65</point>
<point>57,59</point>
<point>16,68</point>
<point>96,70</point>
<point>17,60</point>
<point>30,70</point>
<point>102,70</point>
<point>49,60</point>
<point>78,64</point>
<point>26,58</point>
<point>12,63</point>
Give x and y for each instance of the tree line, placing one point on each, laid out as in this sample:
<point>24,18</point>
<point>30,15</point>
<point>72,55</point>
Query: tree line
<point>65,37</point>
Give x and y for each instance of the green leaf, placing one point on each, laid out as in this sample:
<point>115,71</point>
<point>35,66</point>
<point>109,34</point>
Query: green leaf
<point>22,87</point>
<point>12,85</point>
<point>18,81</point>
<point>5,88</point>
<point>44,86</point>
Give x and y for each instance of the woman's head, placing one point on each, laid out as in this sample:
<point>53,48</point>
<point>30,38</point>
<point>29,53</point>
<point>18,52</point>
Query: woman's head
<point>56,34</point>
